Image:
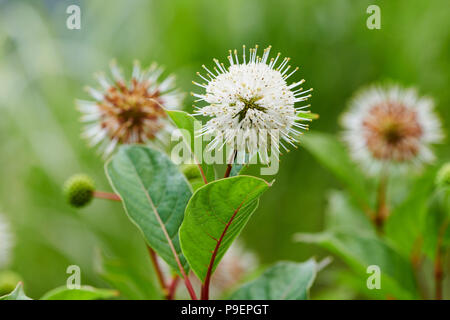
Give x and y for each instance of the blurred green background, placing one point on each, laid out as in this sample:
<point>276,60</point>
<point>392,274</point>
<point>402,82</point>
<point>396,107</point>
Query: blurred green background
<point>44,68</point>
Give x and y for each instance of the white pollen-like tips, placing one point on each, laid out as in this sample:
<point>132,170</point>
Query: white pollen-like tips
<point>251,106</point>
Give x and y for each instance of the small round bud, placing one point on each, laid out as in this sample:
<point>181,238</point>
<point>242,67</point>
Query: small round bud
<point>191,171</point>
<point>79,190</point>
<point>8,281</point>
<point>443,176</point>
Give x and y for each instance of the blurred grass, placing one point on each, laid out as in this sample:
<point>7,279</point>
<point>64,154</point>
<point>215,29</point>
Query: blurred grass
<point>44,67</point>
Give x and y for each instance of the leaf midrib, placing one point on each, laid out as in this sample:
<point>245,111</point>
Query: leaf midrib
<point>158,217</point>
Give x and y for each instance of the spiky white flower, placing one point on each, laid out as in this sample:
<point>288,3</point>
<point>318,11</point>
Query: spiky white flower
<point>129,112</point>
<point>251,104</point>
<point>391,126</point>
<point>6,242</point>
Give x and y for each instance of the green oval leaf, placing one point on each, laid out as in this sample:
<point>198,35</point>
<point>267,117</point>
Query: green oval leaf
<point>215,215</point>
<point>83,293</point>
<point>155,194</point>
<point>283,281</point>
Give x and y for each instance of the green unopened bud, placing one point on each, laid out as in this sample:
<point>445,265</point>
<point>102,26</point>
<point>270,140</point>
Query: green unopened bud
<point>443,176</point>
<point>79,190</point>
<point>8,281</point>
<point>190,171</point>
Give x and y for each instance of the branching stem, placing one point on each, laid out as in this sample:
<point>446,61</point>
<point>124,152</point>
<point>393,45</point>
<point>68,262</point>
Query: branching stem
<point>106,195</point>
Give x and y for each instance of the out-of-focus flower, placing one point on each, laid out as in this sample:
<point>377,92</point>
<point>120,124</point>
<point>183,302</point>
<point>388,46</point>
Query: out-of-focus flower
<point>391,125</point>
<point>129,112</point>
<point>6,241</point>
<point>250,104</point>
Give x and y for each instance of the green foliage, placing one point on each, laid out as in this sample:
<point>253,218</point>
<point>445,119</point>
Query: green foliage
<point>443,176</point>
<point>215,215</point>
<point>8,281</point>
<point>79,190</point>
<point>332,154</point>
<point>189,126</point>
<point>83,293</point>
<point>360,251</point>
<point>283,281</point>
<point>131,282</point>
<point>437,223</point>
<point>343,215</point>
<point>193,175</point>
<point>16,294</point>
<point>155,194</point>
<point>406,222</point>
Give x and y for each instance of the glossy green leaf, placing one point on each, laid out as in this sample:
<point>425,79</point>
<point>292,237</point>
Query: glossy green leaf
<point>215,215</point>
<point>283,281</point>
<point>189,127</point>
<point>360,251</point>
<point>16,294</point>
<point>155,194</point>
<point>83,293</point>
<point>332,154</point>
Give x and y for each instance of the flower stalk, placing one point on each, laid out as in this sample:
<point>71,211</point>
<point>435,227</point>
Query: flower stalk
<point>438,263</point>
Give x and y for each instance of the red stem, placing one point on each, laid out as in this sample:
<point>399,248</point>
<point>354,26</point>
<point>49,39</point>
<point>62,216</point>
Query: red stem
<point>157,266</point>
<point>438,269</point>
<point>227,173</point>
<point>382,210</point>
<point>230,164</point>
<point>173,287</point>
<point>106,195</point>
<point>202,173</point>
<point>205,286</point>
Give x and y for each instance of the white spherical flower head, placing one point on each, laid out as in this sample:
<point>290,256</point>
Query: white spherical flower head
<point>252,106</point>
<point>6,242</point>
<point>391,126</point>
<point>129,112</point>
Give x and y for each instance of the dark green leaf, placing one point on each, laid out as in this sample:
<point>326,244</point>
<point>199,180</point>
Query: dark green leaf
<point>155,194</point>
